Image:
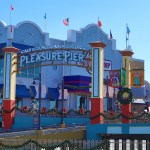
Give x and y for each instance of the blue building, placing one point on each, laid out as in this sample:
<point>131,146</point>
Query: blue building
<point>26,35</point>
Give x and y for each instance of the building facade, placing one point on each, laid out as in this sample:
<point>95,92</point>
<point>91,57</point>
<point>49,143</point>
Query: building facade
<point>27,35</point>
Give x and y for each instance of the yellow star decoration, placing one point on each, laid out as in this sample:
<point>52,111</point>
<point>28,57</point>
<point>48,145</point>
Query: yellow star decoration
<point>125,95</point>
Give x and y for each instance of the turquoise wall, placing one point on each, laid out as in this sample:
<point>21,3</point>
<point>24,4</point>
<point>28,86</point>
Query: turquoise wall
<point>29,122</point>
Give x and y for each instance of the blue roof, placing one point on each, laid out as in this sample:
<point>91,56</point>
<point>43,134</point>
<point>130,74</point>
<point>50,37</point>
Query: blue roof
<point>21,46</point>
<point>17,45</point>
<point>53,93</point>
<point>22,91</point>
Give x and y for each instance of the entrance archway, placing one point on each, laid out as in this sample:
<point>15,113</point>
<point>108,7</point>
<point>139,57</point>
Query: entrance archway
<point>16,61</point>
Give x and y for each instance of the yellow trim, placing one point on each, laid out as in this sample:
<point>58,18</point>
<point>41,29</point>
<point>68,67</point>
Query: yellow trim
<point>100,71</point>
<point>13,70</point>
<point>126,65</point>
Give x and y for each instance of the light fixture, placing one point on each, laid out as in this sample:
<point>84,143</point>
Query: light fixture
<point>39,98</point>
<point>33,82</point>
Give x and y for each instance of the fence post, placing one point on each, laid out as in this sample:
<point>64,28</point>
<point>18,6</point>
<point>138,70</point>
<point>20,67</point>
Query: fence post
<point>67,147</point>
<point>116,144</point>
<point>123,144</point>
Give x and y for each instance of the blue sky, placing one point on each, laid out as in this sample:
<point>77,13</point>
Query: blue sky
<point>114,15</point>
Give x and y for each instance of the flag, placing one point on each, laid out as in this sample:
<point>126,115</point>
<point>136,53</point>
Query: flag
<point>66,22</point>
<point>127,36</point>
<point>45,16</point>
<point>128,30</point>
<point>11,8</point>
<point>111,35</point>
<point>99,23</point>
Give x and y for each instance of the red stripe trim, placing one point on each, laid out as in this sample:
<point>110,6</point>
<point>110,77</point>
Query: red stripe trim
<point>78,81</point>
<point>10,49</point>
<point>79,91</point>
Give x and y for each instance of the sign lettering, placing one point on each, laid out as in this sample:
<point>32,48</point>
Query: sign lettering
<point>65,56</point>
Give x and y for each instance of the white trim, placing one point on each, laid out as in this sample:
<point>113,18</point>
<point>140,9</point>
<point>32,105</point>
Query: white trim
<point>30,22</point>
<point>3,24</point>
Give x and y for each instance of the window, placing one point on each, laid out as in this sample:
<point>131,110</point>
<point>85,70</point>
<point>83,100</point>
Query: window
<point>31,72</point>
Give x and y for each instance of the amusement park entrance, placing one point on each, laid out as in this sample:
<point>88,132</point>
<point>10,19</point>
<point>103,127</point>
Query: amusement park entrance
<point>16,61</point>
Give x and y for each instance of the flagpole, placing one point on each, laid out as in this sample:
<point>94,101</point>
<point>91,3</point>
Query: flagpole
<point>10,13</point>
<point>65,45</point>
<point>66,38</point>
<point>98,28</point>
<point>10,17</point>
<point>68,25</point>
<point>11,9</point>
<point>10,44</point>
<point>45,17</point>
<point>45,24</point>
<point>126,41</point>
<point>127,36</point>
<point>45,21</point>
<point>99,24</point>
<point>66,22</point>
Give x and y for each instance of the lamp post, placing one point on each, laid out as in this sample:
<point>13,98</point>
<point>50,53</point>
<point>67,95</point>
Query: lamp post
<point>62,118</point>
<point>114,99</point>
<point>107,93</point>
<point>39,114</point>
<point>39,98</point>
<point>62,98</point>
